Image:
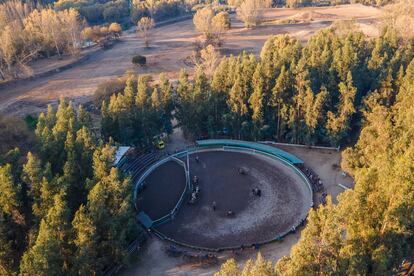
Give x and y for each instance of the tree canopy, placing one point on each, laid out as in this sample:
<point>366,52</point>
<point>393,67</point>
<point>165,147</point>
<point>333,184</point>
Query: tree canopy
<point>65,209</point>
<point>370,230</point>
<point>310,94</point>
<point>53,217</point>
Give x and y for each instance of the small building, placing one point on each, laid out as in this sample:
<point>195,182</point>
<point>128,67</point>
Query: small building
<point>119,154</point>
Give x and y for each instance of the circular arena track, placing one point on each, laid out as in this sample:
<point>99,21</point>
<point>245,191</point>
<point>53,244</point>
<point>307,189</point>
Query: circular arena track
<point>284,202</point>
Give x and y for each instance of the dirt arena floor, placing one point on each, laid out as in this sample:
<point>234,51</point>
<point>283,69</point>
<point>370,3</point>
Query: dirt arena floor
<point>324,162</point>
<point>285,200</point>
<point>171,46</point>
<point>164,187</point>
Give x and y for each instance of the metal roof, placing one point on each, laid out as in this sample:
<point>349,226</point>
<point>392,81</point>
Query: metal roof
<point>120,153</point>
<point>145,220</point>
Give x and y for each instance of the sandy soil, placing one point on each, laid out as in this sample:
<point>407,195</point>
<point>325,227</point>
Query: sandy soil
<point>284,202</point>
<point>326,164</point>
<point>161,194</point>
<point>153,260</point>
<point>171,45</point>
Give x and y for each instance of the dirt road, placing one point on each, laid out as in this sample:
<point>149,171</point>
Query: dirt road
<point>171,45</point>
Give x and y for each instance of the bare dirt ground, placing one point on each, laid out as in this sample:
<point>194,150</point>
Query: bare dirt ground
<point>164,187</point>
<point>283,204</point>
<point>326,164</point>
<point>172,44</point>
<point>45,65</point>
<point>154,261</point>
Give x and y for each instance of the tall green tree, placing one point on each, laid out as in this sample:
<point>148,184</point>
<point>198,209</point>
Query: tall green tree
<point>51,254</point>
<point>319,249</point>
<point>370,230</point>
<point>12,221</point>
<point>257,99</point>
<point>33,177</point>
<point>105,226</point>
<point>11,195</point>
<point>339,125</point>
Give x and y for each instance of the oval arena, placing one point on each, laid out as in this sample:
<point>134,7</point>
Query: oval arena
<point>223,194</point>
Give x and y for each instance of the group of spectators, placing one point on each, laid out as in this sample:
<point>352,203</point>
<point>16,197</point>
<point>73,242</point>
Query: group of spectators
<point>316,182</point>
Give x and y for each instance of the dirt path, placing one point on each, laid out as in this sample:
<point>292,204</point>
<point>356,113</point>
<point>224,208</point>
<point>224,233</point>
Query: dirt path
<point>171,45</point>
<point>326,164</point>
<point>153,260</point>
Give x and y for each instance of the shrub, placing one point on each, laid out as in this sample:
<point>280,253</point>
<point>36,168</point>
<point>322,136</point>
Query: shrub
<point>115,30</point>
<point>105,90</point>
<point>31,122</point>
<point>139,60</point>
<point>14,133</point>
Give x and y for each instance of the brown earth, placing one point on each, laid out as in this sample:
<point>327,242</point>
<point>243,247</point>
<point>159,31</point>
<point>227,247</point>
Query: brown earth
<point>172,44</point>
<point>153,260</point>
<point>163,189</point>
<point>284,202</point>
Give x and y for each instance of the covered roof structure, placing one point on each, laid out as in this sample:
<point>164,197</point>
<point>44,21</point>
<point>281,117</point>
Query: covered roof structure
<point>121,151</point>
<point>145,220</point>
<point>251,145</point>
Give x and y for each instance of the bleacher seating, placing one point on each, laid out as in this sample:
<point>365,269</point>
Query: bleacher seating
<point>135,164</point>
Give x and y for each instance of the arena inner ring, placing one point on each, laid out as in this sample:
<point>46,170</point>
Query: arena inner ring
<point>228,173</point>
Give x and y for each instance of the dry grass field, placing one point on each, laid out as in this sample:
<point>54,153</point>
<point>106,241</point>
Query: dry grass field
<point>172,44</point>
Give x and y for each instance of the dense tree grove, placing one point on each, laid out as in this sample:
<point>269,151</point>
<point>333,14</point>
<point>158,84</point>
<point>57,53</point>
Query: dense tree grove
<point>64,208</point>
<point>370,230</point>
<point>27,32</point>
<point>140,112</point>
<point>123,11</point>
<point>312,94</point>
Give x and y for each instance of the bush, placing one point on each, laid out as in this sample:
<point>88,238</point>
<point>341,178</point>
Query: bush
<point>139,60</point>
<point>31,122</point>
<point>105,90</point>
<point>14,133</point>
<point>115,30</point>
